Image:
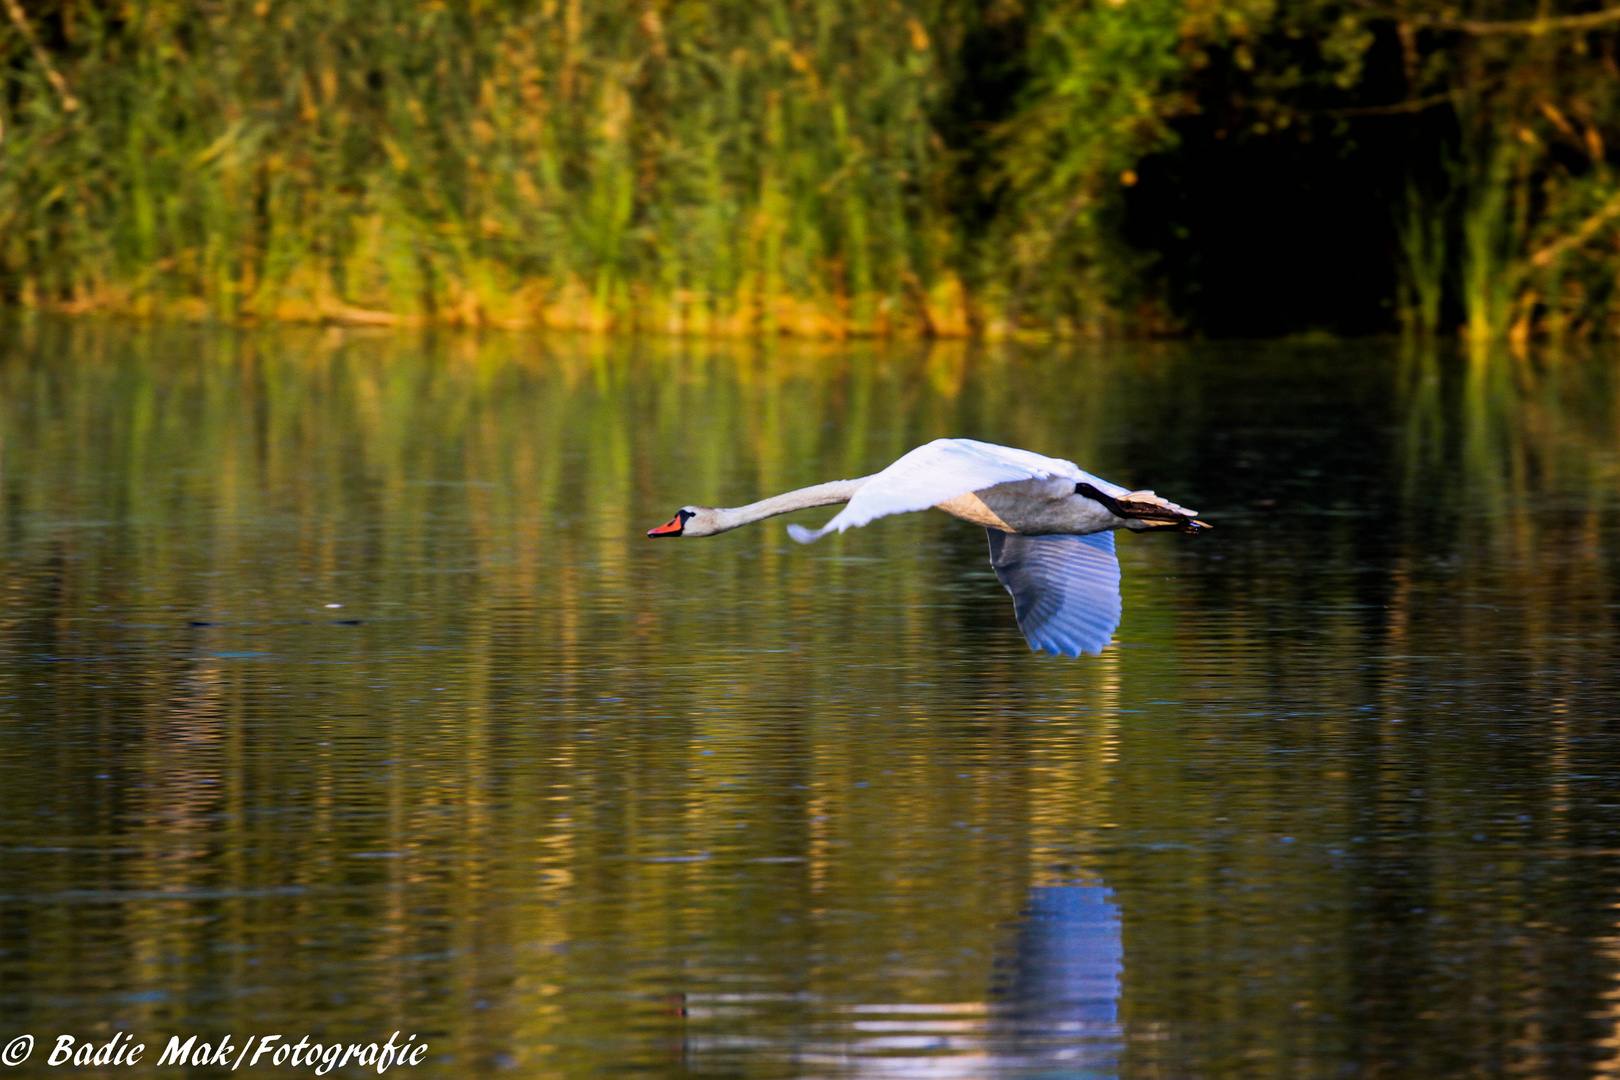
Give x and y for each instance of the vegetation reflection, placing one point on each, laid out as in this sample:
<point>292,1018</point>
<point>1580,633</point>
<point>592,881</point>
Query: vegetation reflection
<point>552,795</point>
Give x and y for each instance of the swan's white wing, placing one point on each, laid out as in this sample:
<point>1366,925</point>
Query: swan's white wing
<point>943,470</point>
<point>1065,589</point>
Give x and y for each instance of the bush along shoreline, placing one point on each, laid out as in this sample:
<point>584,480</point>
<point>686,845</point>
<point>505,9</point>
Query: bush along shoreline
<point>824,168</point>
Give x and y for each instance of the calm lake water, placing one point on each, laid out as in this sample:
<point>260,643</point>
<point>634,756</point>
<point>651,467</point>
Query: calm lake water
<point>1341,800</point>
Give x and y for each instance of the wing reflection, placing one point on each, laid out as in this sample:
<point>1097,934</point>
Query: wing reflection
<point>1058,1001</point>
<point>1052,1013</point>
<point>1065,589</point>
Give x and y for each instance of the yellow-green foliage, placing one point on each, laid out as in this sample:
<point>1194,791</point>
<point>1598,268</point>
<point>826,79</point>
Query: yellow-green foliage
<point>750,166</point>
<point>710,166</point>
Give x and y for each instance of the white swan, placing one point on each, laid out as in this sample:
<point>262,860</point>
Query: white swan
<point>1050,526</point>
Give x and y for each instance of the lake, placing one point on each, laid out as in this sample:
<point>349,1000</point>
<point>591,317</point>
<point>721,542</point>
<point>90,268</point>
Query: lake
<point>341,693</point>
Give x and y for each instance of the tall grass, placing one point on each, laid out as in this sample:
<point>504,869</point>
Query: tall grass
<point>723,167</point>
<point>1522,235</point>
<point>816,167</point>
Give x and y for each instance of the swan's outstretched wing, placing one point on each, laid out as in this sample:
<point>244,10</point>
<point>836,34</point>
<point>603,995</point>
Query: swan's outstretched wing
<point>943,470</point>
<point>1065,589</point>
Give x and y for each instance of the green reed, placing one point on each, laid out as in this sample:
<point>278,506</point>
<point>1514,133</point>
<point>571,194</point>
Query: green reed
<point>716,166</point>
<point>708,166</point>
<point>731,167</point>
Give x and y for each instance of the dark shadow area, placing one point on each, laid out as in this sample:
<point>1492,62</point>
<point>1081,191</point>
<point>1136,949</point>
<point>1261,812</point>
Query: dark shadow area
<point>1278,213</point>
<point>988,70</point>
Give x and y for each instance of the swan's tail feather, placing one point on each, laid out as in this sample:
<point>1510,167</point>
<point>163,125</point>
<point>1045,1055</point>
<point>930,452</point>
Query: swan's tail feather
<point>804,535</point>
<point>1153,511</point>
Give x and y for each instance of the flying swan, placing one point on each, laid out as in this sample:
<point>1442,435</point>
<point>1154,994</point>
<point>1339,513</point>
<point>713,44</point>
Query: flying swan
<point>1050,527</point>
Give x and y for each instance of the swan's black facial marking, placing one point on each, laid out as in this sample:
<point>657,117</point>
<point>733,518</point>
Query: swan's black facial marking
<point>674,526</point>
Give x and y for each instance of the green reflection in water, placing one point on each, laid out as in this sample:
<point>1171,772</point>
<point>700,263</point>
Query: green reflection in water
<point>564,800</point>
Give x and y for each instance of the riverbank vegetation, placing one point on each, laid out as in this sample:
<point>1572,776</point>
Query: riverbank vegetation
<point>819,167</point>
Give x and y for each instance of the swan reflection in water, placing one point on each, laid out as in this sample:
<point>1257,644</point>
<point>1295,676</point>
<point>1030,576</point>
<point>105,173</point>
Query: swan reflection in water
<point>1057,1009</point>
<point>1051,527</point>
<point>1052,1012</point>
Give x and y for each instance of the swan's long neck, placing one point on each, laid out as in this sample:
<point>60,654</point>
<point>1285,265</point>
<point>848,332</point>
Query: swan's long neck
<point>835,491</point>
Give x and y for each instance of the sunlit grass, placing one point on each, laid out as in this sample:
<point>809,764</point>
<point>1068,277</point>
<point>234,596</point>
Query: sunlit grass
<point>790,167</point>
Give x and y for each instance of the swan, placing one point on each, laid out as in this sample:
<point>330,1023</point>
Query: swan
<point>1049,523</point>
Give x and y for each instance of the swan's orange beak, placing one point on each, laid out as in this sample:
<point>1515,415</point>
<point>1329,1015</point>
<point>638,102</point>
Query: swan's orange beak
<point>672,527</point>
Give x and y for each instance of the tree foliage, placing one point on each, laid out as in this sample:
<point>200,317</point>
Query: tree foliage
<point>807,166</point>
